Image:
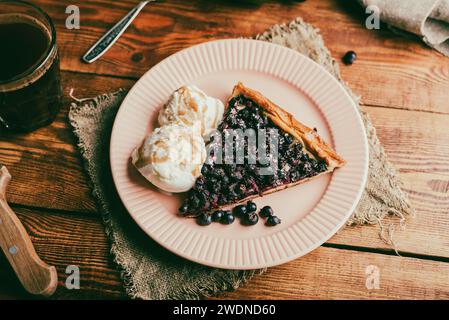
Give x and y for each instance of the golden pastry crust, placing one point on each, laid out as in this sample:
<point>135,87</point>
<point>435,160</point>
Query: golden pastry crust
<point>313,142</point>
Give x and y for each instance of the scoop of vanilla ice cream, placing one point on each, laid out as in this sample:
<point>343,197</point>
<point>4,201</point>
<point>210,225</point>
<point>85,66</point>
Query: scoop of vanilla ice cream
<point>171,158</point>
<point>190,106</point>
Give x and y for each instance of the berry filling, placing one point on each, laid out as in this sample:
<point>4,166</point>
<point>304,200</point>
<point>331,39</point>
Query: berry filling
<point>223,184</point>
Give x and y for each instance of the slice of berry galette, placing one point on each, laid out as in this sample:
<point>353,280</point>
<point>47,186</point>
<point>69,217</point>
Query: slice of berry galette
<point>278,152</point>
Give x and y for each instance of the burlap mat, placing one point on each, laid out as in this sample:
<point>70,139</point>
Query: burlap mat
<point>428,19</point>
<point>151,272</point>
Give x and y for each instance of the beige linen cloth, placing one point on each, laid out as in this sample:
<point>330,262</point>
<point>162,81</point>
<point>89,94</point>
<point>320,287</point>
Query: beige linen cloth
<point>151,272</point>
<point>429,19</point>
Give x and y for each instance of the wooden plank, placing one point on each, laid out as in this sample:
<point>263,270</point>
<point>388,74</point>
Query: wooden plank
<point>326,273</point>
<point>63,240</point>
<point>391,71</point>
<point>420,154</point>
<point>45,164</point>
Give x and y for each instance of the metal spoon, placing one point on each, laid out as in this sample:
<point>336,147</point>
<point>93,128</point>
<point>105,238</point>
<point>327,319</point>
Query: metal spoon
<point>110,37</point>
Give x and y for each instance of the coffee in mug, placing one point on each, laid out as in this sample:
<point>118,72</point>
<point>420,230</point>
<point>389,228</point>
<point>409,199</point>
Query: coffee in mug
<point>30,88</point>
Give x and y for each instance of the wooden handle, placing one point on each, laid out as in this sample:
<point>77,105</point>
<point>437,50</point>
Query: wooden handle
<point>35,275</point>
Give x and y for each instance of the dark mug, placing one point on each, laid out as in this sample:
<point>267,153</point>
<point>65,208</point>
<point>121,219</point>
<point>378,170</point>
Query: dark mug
<point>30,87</point>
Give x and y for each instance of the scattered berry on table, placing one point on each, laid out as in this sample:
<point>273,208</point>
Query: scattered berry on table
<point>273,221</point>
<point>349,57</point>
<point>266,212</point>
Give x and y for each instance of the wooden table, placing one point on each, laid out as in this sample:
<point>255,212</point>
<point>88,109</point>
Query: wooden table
<point>404,87</point>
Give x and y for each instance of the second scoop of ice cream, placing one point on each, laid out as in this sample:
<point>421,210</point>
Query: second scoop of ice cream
<point>171,158</point>
<point>190,106</point>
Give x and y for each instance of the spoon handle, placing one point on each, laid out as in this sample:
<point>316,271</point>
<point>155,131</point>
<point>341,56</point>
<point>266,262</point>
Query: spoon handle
<point>110,37</point>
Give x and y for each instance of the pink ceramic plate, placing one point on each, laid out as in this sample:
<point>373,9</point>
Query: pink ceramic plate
<point>310,213</point>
